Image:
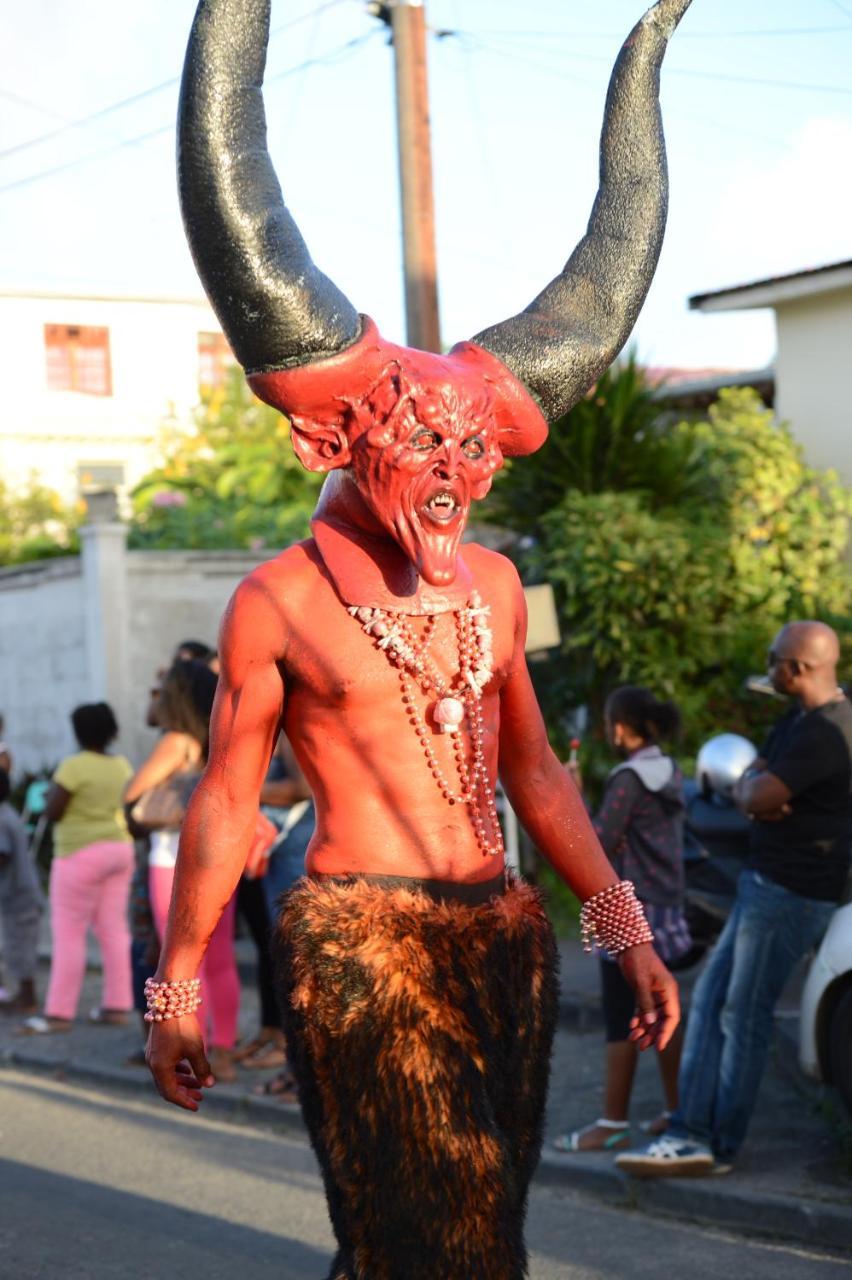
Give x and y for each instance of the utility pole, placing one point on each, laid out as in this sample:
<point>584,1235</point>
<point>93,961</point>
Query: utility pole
<point>407,20</point>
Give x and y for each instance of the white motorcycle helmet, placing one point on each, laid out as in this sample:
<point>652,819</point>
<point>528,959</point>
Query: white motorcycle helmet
<point>721,763</point>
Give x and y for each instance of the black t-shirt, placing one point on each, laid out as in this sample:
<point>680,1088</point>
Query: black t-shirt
<point>808,851</point>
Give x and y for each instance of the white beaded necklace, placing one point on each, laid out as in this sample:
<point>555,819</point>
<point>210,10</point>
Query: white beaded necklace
<point>456,699</point>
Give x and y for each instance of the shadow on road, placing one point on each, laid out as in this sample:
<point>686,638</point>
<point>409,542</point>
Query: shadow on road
<point>53,1225</point>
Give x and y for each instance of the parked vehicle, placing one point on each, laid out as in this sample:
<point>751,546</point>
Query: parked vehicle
<point>825,1019</point>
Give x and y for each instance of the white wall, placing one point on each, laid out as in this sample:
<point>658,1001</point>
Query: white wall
<point>154,357</point>
<point>44,670</point>
<point>813,376</point>
<point>99,626</point>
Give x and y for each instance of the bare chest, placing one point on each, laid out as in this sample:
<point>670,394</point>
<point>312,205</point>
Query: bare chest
<point>333,663</point>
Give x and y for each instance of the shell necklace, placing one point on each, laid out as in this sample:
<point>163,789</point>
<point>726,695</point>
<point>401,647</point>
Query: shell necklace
<point>458,698</point>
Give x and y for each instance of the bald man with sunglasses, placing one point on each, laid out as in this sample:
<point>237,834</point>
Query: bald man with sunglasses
<point>799,797</point>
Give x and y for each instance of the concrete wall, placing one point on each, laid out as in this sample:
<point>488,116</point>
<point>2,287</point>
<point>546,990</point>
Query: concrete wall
<point>99,626</point>
<point>44,669</point>
<point>813,376</point>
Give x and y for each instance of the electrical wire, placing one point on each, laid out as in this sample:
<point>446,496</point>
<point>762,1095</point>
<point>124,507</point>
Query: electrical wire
<point>685,71</point>
<point>681,36</point>
<point>686,115</point>
<point>94,116</point>
<point>327,59</point>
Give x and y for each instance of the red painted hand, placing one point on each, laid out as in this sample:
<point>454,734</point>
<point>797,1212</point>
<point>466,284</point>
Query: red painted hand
<point>657,997</point>
<point>177,1061</point>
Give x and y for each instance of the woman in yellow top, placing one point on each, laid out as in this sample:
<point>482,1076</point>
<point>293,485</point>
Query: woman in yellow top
<point>90,875</point>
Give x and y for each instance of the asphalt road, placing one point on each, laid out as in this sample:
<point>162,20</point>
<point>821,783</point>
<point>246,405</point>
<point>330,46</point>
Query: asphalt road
<point>97,1187</point>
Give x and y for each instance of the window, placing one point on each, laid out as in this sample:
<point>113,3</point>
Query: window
<point>78,359</point>
<point>214,360</point>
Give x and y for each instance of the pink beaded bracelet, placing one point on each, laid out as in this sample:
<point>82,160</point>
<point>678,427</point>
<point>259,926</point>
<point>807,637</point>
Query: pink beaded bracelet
<point>614,919</point>
<point>168,1000</point>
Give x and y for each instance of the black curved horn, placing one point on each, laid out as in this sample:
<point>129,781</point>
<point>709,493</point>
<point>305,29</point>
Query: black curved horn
<point>561,344</point>
<point>275,307</point>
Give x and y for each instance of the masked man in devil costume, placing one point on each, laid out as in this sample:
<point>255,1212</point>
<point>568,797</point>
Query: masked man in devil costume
<point>419,977</point>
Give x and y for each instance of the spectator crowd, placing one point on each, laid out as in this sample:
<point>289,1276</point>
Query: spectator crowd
<point>115,845</point>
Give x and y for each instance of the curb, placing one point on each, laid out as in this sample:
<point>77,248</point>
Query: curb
<point>227,1102</point>
<point>706,1201</point>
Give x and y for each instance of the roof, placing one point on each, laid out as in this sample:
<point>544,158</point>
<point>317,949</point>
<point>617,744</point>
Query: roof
<point>698,388</point>
<point>773,290</point>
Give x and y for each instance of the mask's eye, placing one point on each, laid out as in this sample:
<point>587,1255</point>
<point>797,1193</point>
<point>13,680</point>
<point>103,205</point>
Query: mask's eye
<point>424,439</point>
<point>474,447</point>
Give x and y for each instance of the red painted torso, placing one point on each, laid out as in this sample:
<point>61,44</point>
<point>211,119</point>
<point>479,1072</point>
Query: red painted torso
<point>379,808</point>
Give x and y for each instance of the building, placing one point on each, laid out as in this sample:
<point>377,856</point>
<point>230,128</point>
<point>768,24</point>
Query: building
<point>91,382</point>
<point>813,314</point>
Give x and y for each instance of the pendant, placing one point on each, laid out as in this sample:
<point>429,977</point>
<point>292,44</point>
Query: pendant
<point>448,713</point>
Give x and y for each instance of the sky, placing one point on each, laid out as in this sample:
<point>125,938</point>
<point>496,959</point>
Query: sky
<point>757,103</point>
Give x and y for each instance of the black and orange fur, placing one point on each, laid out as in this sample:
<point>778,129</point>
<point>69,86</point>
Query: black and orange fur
<point>420,1034</point>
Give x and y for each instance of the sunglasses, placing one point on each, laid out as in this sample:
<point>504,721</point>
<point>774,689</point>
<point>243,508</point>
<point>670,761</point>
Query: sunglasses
<point>774,659</point>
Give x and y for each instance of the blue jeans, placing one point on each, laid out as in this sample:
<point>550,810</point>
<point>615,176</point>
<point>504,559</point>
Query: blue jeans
<point>729,1030</point>
<point>287,857</point>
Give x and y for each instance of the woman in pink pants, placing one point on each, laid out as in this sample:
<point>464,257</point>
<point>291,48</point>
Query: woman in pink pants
<point>90,875</point>
<point>184,703</point>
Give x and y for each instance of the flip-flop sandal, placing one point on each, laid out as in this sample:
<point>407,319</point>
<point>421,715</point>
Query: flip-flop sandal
<point>41,1026</point>
<point>658,1126</point>
<point>281,1088</point>
<point>265,1058</point>
<point>108,1017</point>
<point>619,1137</point>
<point>250,1048</point>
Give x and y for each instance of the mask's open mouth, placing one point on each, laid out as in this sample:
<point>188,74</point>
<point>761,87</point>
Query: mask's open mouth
<point>442,507</point>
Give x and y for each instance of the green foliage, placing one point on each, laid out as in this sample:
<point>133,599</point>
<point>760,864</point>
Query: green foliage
<point>614,440</point>
<point>35,524</point>
<point>676,551</point>
<point>234,482</point>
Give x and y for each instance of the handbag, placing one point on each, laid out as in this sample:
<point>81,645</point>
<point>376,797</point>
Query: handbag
<point>162,807</point>
<point>265,835</point>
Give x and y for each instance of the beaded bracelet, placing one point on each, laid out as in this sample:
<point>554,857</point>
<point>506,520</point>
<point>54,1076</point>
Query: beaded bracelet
<point>167,1000</point>
<point>614,919</point>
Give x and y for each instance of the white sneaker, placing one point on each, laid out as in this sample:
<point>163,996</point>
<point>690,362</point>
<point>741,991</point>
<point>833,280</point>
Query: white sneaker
<point>667,1157</point>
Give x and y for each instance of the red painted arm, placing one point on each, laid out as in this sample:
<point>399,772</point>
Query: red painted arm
<point>220,821</point>
<point>552,812</point>
<point>541,790</point>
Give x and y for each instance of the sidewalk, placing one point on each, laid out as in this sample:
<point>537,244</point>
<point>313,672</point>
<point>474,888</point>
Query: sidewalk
<point>791,1182</point>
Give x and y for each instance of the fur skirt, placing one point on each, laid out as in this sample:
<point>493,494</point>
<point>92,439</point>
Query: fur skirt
<point>420,1034</point>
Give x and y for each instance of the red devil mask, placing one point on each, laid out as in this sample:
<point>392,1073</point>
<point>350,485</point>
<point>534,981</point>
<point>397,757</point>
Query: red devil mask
<point>422,434</point>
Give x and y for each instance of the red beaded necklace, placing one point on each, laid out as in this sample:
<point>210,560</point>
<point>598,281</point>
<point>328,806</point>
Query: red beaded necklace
<point>457,699</point>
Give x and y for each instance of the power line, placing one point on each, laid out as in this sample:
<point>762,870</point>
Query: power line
<point>686,71</point>
<point>847,13</point>
<point>569,76</point>
<point>333,57</point>
<point>135,97</point>
<point>682,35</point>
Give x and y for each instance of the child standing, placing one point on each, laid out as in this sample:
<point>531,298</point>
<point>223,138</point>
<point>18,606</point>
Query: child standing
<point>640,825</point>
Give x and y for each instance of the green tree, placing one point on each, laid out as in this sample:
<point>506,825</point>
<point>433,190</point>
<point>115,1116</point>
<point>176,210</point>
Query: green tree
<point>232,482</point>
<point>36,523</point>
<point>675,571</point>
<point>615,439</point>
